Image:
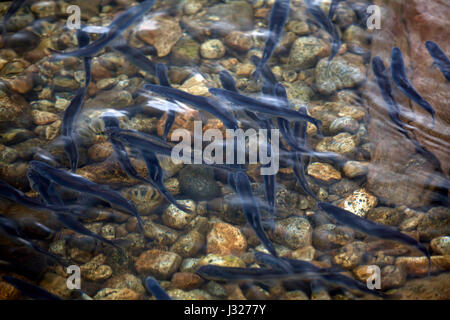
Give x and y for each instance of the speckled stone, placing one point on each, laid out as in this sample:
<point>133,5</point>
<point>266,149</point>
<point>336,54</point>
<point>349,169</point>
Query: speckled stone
<point>359,202</point>
<point>441,245</point>
<point>157,263</point>
<point>329,236</point>
<point>190,244</point>
<point>221,260</point>
<point>225,239</point>
<point>324,172</point>
<point>294,232</point>
<point>350,255</point>
<point>116,294</point>
<point>176,218</point>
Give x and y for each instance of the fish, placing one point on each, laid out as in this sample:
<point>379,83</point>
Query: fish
<point>9,192</point>
<point>263,107</point>
<point>228,83</point>
<point>69,118</point>
<point>135,56</point>
<point>384,85</point>
<point>266,72</point>
<point>372,228</point>
<point>12,10</point>
<point>326,23</point>
<point>115,29</point>
<point>278,17</point>
<point>299,173</point>
<point>83,40</point>
<point>141,141</point>
<point>440,58</point>
<point>401,81</point>
<point>11,229</point>
<point>156,177</point>
<point>152,286</point>
<point>78,183</point>
<point>199,102</point>
<point>213,272</point>
<point>161,73</point>
<point>30,290</point>
<point>333,7</point>
<point>73,224</point>
<point>251,209</point>
<point>272,262</point>
<point>44,187</point>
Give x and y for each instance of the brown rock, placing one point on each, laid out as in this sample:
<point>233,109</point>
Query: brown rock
<point>324,172</point>
<point>116,294</point>
<point>418,266</point>
<point>158,263</point>
<point>162,32</point>
<point>225,239</point>
<point>432,288</point>
<point>186,281</point>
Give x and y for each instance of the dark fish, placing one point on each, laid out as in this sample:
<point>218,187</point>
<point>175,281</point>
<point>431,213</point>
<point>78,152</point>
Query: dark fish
<point>251,209</point>
<point>83,41</point>
<point>212,272</point>
<point>384,85</point>
<point>327,25</point>
<point>333,7</point>
<point>135,56</point>
<point>142,141</point>
<point>73,224</point>
<point>69,118</point>
<point>30,290</point>
<point>115,29</point>
<point>161,74</point>
<point>440,58</point>
<point>201,103</point>
<point>44,187</point>
<point>156,177</point>
<point>266,73</point>
<point>9,192</point>
<point>371,228</point>
<point>78,183</point>
<point>155,289</point>
<point>272,261</point>
<point>11,229</point>
<point>278,17</point>
<point>401,81</point>
<point>263,107</point>
<point>12,10</point>
<point>299,173</point>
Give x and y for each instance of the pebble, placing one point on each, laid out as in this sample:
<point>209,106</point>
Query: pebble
<point>7,154</point>
<point>436,223</point>
<point>126,281</point>
<point>221,261</point>
<point>293,232</point>
<point>212,49</point>
<point>225,239</point>
<point>196,294</point>
<point>185,52</point>
<point>432,288</point>
<point>95,270</point>
<point>55,284</point>
<point>157,263</point>
<point>162,32</point>
<point>159,233</point>
<point>43,117</point>
<point>418,266</point>
<point>344,124</point>
<point>324,172</point>
<point>441,245</point>
<point>146,198</point>
<point>198,183</point>
<point>351,255</point>
<point>239,41</point>
<point>176,218</point>
<point>186,281</point>
<point>300,28</point>
<point>306,51</point>
<point>190,244</point>
<point>100,152</point>
<point>116,294</point>
<point>387,216</point>
<point>329,236</point>
<point>353,169</point>
<point>343,143</point>
<point>359,202</point>
<point>342,72</point>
